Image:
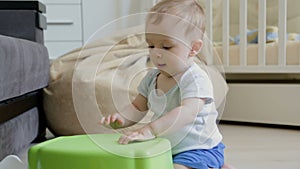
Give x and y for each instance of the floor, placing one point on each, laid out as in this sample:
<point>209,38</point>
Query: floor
<point>250,147</point>
<point>261,148</point>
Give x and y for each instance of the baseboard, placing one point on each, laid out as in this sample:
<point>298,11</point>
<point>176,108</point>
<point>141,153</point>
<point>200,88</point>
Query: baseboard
<point>280,126</point>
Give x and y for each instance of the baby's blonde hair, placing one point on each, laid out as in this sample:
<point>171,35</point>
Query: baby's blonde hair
<point>188,10</point>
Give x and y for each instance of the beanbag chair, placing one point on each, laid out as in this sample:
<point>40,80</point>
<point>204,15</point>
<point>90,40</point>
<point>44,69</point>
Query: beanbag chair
<point>100,78</point>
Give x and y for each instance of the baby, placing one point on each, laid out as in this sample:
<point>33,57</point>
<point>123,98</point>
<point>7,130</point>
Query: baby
<point>178,91</point>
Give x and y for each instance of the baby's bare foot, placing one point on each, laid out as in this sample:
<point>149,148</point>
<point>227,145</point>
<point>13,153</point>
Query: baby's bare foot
<point>227,166</point>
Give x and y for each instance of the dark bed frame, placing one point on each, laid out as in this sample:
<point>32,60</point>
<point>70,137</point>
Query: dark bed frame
<point>24,72</point>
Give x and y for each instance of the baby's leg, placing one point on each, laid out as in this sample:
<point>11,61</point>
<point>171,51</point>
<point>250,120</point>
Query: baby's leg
<point>178,166</point>
<point>225,166</point>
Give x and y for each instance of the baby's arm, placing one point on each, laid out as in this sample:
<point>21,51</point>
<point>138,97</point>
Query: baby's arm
<point>169,123</point>
<point>178,117</point>
<point>131,114</point>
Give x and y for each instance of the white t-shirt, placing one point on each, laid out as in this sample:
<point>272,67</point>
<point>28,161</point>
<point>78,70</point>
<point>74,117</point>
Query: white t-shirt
<point>194,83</point>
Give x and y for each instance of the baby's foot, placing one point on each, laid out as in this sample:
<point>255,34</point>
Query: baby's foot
<point>227,166</point>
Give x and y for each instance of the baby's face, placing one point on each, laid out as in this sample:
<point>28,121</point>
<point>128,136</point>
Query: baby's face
<point>169,46</point>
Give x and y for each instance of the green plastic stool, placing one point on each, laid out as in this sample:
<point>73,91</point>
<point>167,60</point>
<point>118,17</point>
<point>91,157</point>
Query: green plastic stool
<point>100,151</point>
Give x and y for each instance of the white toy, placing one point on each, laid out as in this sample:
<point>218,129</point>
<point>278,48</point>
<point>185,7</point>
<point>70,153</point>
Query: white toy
<point>12,162</point>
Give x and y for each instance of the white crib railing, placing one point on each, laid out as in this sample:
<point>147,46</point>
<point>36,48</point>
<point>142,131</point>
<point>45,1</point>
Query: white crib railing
<point>225,38</point>
<point>282,32</point>
<point>243,67</point>
<point>262,14</point>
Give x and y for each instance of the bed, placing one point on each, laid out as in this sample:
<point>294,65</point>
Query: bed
<point>262,71</point>
<point>24,71</point>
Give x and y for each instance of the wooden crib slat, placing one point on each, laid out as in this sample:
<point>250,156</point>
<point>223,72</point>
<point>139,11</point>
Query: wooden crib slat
<point>282,32</point>
<point>154,2</point>
<point>243,32</point>
<point>262,24</point>
<point>262,65</point>
<point>209,30</point>
<point>225,38</point>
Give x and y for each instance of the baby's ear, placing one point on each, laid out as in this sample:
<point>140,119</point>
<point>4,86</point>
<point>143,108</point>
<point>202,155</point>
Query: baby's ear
<point>196,47</point>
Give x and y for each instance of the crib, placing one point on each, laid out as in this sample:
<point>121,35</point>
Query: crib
<point>263,78</point>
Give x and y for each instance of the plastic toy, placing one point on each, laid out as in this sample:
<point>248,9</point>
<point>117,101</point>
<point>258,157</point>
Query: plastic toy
<point>100,151</point>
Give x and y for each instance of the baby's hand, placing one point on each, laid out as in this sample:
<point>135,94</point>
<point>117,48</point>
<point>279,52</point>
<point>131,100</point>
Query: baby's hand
<point>142,134</point>
<point>114,120</point>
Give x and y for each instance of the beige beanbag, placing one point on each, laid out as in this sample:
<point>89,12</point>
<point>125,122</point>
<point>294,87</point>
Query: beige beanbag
<point>101,78</point>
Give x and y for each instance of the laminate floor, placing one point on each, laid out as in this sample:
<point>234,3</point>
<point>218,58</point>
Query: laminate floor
<point>250,147</point>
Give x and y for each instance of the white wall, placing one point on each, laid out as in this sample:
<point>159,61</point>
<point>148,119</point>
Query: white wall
<point>98,13</point>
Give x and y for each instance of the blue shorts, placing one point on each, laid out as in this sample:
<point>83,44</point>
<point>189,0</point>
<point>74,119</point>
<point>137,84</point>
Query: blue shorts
<point>201,158</point>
